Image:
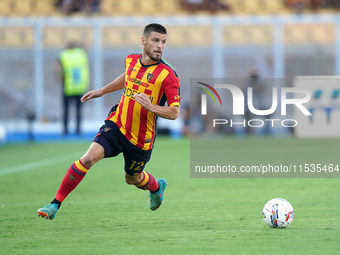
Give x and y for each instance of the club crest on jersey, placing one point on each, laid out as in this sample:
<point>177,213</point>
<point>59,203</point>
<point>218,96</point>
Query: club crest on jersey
<point>149,76</point>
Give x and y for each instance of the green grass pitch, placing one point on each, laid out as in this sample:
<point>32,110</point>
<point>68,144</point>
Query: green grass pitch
<point>104,215</point>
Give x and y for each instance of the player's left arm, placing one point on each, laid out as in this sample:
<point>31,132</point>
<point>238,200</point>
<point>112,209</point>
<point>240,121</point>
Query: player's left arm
<point>167,112</point>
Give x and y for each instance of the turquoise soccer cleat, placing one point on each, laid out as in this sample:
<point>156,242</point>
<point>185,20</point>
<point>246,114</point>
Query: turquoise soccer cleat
<point>48,211</point>
<point>156,198</point>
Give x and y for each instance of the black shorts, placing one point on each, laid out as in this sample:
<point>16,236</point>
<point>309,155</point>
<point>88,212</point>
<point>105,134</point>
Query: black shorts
<point>114,142</point>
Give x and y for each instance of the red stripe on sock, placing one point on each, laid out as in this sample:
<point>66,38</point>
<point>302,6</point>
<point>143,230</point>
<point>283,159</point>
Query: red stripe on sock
<point>151,185</point>
<point>83,164</point>
<point>76,172</point>
<point>71,180</point>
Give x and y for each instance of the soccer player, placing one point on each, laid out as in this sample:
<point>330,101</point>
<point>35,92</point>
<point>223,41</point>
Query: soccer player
<point>148,83</point>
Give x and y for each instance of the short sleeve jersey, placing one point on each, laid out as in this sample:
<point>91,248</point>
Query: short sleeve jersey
<point>158,81</point>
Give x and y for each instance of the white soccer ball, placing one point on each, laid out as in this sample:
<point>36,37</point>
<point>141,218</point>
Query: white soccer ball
<point>278,213</point>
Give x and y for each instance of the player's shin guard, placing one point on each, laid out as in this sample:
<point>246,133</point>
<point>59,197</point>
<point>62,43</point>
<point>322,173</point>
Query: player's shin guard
<point>148,182</point>
<point>72,178</point>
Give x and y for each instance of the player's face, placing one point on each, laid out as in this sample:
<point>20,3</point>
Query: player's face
<point>154,45</point>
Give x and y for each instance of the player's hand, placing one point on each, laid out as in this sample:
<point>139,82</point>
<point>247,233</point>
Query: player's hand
<point>91,94</point>
<point>144,101</point>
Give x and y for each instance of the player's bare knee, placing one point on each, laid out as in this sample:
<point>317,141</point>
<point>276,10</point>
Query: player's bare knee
<point>89,160</point>
<point>93,155</point>
<point>130,181</point>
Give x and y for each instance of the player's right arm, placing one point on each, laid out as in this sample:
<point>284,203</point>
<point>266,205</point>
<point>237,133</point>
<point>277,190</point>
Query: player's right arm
<point>115,85</point>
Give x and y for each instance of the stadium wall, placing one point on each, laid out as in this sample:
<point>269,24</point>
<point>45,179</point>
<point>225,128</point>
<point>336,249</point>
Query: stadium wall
<point>198,46</point>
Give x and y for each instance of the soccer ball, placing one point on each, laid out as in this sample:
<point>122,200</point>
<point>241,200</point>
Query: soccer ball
<point>278,213</point>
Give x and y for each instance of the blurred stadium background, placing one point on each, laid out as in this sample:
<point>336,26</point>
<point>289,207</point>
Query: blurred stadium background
<point>280,39</point>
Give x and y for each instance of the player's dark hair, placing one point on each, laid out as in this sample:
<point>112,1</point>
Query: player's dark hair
<point>153,27</point>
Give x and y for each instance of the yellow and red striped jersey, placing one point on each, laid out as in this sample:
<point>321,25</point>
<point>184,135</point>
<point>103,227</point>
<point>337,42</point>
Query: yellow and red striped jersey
<point>160,82</point>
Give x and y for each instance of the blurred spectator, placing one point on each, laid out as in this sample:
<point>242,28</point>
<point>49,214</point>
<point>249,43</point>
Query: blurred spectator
<point>92,6</point>
<point>314,5</point>
<point>73,69</point>
<point>211,6</point>
<point>317,4</point>
<point>192,5</point>
<point>75,6</point>
<point>215,5</point>
<point>260,102</point>
<point>335,3</point>
<point>71,6</point>
<point>186,120</point>
<point>297,5</point>
<point>193,116</point>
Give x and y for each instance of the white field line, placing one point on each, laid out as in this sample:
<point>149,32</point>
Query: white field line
<point>40,163</point>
